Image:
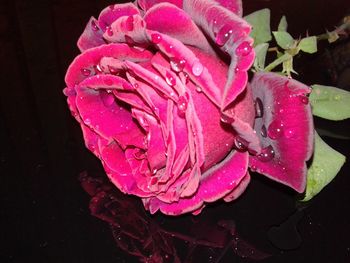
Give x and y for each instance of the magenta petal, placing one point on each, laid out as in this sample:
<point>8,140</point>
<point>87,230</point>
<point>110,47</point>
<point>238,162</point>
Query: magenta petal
<point>180,26</point>
<point>100,111</point>
<point>91,139</point>
<point>239,190</point>
<point>113,12</point>
<point>285,127</point>
<point>147,4</point>
<point>199,74</point>
<point>231,33</point>
<point>91,37</point>
<point>81,67</point>
<point>216,183</point>
<point>118,169</point>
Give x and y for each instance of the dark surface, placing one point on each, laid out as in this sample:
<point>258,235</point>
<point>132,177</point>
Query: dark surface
<point>45,213</point>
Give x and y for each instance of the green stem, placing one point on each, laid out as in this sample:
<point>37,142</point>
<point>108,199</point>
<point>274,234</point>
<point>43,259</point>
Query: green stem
<point>278,61</point>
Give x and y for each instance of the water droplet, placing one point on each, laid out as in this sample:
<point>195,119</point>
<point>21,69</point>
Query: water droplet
<point>197,68</point>
<point>186,78</point>
<point>86,72</point>
<point>303,99</point>
<point>337,97</point>
<point>94,27</point>
<point>226,119</point>
<point>112,70</point>
<point>156,38</point>
<point>87,121</point>
<point>289,133</point>
<point>259,108</point>
<point>129,23</point>
<point>177,64</point>
<point>253,168</point>
<point>107,99</point>
<point>223,35</point>
<point>154,171</point>
<point>243,49</point>
<point>170,79</point>
<point>263,131</point>
<point>109,31</point>
<point>275,130</point>
<point>198,89</point>
<point>236,69</point>
<point>182,104</point>
<point>267,154</point>
<point>241,144</point>
<point>98,68</point>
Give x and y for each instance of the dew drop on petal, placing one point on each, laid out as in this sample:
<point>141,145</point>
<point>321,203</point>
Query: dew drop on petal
<point>275,129</point>
<point>236,69</point>
<point>303,99</point>
<point>170,79</point>
<point>112,70</point>
<point>226,119</point>
<point>109,31</point>
<point>223,35</point>
<point>177,64</point>
<point>107,99</point>
<point>259,108</point>
<point>94,26</point>
<point>86,72</point>
<point>182,104</point>
<point>198,89</point>
<point>241,144</point>
<point>129,23</point>
<point>156,38</point>
<point>87,121</point>
<point>197,68</point>
<point>243,49</point>
<point>289,133</point>
<point>267,154</point>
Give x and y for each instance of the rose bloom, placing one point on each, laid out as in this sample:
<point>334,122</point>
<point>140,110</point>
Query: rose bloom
<point>162,96</point>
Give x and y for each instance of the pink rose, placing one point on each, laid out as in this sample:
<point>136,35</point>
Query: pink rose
<point>160,91</point>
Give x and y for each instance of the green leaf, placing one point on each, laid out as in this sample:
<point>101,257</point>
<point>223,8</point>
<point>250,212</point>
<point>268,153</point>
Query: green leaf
<point>282,26</point>
<point>284,39</point>
<point>260,20</point>
<point>308,44</point>
<point>325,166</point>
<point>260,56</point>
<point>330,102</point>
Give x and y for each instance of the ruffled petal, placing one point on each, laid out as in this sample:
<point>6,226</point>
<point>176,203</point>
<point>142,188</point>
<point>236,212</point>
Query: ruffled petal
<point>285,127</point>
<point>180,26</point>
<point>91,37</point>
<point>231,33</point>
<point>216,183</point>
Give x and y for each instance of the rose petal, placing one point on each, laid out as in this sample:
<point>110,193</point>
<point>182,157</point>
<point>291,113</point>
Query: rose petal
<point>239,190</point>
<point>91,37</point>
<point>180,26</point>
<point>147,4</point>
<point>113,12</point>
<point>85,62</point>
<point>215,184</point>
<point>286,116</point>
<point>231,33</point>
<point>101,116</point>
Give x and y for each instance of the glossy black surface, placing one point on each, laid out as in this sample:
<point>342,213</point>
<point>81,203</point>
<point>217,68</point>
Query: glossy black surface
<point>44,212</point>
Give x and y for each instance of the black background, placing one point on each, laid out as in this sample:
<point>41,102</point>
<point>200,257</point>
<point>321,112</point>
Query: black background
<point>44,211</point>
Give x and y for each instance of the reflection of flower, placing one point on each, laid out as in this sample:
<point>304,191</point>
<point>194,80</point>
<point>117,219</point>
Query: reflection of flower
<point>149,240</point>
<point>170,119</point>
